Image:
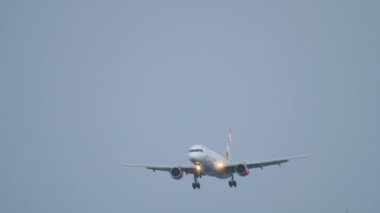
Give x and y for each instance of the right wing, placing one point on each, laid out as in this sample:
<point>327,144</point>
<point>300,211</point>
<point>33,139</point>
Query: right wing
<point>261,164</point>
<point>274,162</point>
<point>186,169</point>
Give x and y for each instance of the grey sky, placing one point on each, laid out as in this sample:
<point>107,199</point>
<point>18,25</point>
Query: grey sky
<point>89,85</point>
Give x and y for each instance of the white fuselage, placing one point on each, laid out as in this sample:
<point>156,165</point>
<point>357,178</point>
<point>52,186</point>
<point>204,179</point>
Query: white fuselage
<point>210,162</point>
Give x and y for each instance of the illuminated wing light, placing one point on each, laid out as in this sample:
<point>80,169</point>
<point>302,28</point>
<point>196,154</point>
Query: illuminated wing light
<point>219,166</point>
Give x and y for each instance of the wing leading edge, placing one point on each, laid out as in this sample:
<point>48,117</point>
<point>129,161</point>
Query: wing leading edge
<point>186,169</point>
<point>230,168</point>
<point>261,164</point>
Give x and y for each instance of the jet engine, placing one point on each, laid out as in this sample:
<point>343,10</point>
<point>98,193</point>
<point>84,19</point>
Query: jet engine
<point>242,169</point>
<point>176,173</point>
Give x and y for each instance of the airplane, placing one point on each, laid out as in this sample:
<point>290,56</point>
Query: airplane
<point>209,163</point>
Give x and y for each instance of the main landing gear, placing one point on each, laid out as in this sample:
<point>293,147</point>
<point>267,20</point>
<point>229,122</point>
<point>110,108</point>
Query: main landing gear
<point>196,183</point>
<point>232,182</point>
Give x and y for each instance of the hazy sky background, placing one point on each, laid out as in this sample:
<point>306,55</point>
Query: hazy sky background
<point>87,86</point>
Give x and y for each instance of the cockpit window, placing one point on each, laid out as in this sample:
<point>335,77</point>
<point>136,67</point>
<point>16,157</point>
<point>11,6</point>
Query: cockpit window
<point>195,150</point>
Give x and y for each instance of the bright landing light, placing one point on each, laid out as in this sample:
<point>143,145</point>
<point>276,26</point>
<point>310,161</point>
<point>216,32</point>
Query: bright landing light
<point>198,167</point>
<point>219,166</point>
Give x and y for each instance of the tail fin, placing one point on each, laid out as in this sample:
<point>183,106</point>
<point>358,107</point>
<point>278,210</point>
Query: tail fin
<point>229,142</point>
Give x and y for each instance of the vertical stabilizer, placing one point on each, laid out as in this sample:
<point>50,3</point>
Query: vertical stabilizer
<point>229,142</point>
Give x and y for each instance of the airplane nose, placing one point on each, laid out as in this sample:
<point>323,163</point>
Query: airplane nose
<point>193,157</point>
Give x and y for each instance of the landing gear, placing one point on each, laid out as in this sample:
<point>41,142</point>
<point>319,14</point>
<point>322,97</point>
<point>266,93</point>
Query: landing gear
<point>232,182</point>
<point>196,183</point>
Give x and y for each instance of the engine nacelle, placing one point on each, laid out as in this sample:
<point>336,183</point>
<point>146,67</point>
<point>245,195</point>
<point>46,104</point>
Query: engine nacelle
<point>176,173</point>
<point>242,169</point>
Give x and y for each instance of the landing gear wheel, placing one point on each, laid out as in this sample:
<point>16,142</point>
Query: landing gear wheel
<point>196,185</point>
<point>232,183</point>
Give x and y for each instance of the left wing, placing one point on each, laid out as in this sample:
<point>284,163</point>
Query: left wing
<point>186,169</point>
<point>260,164</point>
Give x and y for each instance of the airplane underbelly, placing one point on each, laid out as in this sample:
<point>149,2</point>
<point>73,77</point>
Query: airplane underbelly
<point>220,175</point>
<point>211,171</point>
